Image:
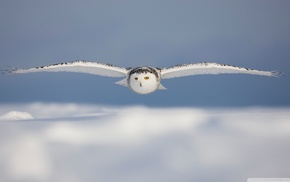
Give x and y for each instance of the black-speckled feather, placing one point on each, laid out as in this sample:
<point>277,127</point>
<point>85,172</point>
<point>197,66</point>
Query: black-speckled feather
<point>210,68</point>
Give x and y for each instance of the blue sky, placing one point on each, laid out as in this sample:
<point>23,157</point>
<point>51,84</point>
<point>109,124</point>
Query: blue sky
<point>253,34</point>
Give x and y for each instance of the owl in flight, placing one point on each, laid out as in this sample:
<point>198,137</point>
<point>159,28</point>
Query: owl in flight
<point>145,79</point>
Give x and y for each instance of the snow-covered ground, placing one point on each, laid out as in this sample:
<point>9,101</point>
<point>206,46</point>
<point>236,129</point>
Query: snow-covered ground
<point>76,143</point>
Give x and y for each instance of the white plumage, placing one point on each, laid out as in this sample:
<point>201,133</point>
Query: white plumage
<point>210,68</point>
<point>94,68</point>
<point>144,80</point>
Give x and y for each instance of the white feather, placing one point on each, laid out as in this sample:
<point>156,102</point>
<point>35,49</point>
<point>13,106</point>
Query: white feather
<point>144,87</point>
<point>123,82</point>
<point>94,68</point>
<point>210,68</point>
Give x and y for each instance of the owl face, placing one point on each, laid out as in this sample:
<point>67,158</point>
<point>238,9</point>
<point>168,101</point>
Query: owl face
<point>143,81</point>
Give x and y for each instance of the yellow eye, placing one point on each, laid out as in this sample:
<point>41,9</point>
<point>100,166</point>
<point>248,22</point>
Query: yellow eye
<point>136,78</point>
<point>146,77</point>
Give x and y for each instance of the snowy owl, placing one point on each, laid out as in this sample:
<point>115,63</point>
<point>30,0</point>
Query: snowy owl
<point>145,79</point>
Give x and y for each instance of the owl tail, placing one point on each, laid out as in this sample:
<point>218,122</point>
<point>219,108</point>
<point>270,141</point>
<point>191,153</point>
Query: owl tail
<point>161,87</point>
<point>123,82</point>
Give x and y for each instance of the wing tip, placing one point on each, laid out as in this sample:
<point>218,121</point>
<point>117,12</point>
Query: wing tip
<point>10,70</point>
<point>277,74</point>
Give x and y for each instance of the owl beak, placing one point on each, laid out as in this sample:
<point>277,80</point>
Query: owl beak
<point>140,84</point>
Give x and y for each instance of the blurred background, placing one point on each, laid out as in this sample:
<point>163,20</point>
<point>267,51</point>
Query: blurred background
<point>78,127</point>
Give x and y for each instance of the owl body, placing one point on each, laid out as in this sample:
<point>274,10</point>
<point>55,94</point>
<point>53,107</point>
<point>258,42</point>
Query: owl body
<point>146,79</point>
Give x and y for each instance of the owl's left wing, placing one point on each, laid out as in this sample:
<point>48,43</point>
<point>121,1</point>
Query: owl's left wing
<point>210,68</point>
<point>94,68</point>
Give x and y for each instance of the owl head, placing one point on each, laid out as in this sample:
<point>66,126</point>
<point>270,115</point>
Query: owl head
<point>144,80</point>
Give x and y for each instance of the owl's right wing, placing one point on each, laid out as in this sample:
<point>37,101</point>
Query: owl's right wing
<point>210,68</point>
<point>88,67</point>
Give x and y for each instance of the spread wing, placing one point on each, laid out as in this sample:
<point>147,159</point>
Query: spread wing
<point>210,68</point>
<point>94,68</point>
